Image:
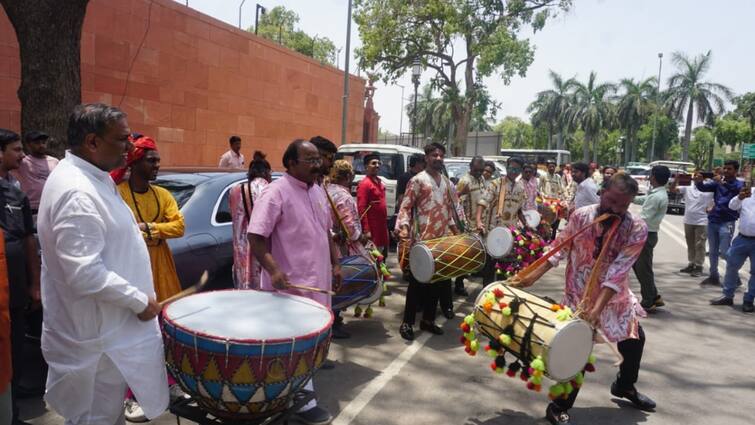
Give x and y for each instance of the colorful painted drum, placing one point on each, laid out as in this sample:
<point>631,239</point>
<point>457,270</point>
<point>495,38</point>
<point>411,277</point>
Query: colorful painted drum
<point>447,257</point>
<point>361,282</point>
<point>244,354</point>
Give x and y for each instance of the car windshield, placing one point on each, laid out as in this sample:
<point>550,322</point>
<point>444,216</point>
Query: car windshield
<point>456,170</point>
<point>389,167</point>
<point>182,191</point>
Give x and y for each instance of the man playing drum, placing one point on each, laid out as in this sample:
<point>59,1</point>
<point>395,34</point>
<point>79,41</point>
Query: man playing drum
<point>502,203</point>
<point>427,212</point>
<point>552,186</point>
<point>615,310</point>
<point>470,189</point>
<point>295,247</point>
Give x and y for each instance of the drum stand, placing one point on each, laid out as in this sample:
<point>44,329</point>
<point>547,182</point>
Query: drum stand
<point>184,409</point>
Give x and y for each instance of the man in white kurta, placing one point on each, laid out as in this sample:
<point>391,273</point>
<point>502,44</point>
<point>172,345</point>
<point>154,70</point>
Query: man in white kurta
<point>99,331</point>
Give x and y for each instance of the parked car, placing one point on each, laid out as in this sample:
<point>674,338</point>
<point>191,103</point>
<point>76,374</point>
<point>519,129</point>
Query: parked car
<point>458,166</point>
<point>641,174</point>
<point>202,195</point>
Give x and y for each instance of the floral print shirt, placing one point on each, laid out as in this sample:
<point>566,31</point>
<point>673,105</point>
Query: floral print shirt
<point>434,206</point>
<point>514,197</point>
<point>347,211</point>
<point>246,269</point>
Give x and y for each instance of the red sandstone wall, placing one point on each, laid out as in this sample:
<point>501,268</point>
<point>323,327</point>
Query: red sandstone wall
<point>196,81</point>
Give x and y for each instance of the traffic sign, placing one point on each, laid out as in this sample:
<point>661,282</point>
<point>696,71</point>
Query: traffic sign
<point>748,152</point>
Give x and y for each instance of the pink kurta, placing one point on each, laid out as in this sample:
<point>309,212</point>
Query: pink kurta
<point>530,192</point>
<point>371,194</point>
<point>246,269</point>
<point>296,220</point>
<point>619,320</point>
<point>347,210</point>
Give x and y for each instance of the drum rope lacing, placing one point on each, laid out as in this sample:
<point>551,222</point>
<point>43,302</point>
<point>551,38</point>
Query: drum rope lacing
<point>475,261</point>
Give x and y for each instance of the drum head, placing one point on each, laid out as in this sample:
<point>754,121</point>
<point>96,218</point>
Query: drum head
<point>248,315</point>
<point>532,218</point>
<point>569,350</point>
<point>499,242</point>
<point>421,263</point>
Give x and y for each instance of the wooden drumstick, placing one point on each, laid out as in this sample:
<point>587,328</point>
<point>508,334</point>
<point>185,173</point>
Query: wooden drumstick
<point>188,291</point>
<point>311,288</point>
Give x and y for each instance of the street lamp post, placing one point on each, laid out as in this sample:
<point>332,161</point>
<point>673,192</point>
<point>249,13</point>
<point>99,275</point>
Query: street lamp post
<point>240,6</point>
<point>345,111</point>
<point>416,71</point>
<point>401,117</point>
<point>256,17</point>
<point>657,107</point>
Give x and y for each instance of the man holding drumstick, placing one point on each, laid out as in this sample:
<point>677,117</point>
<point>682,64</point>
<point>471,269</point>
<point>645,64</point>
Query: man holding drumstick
<point>615,310</point>
<point>289,232</point>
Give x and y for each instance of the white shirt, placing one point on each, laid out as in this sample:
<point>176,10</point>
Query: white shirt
<point>746,210</point>
<point>231,159</point>
<point>587,194</point>
<point>96,277</point>
<point>696,205</point>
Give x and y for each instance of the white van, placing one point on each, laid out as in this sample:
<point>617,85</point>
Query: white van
<point>395,162</point>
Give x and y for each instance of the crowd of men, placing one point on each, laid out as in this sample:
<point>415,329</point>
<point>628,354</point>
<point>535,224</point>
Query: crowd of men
<point>101,336</point>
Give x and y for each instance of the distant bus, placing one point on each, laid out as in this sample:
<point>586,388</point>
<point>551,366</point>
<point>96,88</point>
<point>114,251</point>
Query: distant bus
<point>539,156</point>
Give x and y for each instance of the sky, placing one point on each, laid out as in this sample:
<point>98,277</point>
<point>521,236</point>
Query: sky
<point>615,38</point>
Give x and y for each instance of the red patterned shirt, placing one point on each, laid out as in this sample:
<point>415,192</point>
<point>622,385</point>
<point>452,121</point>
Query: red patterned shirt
<point>434,206</point>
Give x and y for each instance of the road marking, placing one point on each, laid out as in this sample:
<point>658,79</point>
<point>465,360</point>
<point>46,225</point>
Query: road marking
<point>352,410</point>
<point>673,235</point>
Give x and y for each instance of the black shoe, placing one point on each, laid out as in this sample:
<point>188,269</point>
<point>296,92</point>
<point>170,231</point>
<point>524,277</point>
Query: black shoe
<point>722,300</point>
<point>640,401</point>
<point>748,307</point>
<point>712,281</point>
<point>658,302</point>
<point>697,271</point>
<point>556,416</point>
<point>430,327</point>
<point>328,365</point>
<point>449,314</point>
<point>315,416</point>
<point>687,269</point>
<point>461,291</point>
<point>406,332</point>
<point>648,307</point>
<point>340,333</point>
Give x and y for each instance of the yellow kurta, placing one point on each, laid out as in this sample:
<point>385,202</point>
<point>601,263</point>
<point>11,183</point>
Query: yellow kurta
<point>159,209</point>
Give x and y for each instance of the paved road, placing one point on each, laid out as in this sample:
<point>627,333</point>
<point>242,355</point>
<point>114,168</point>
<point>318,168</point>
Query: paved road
<point>698,365</point>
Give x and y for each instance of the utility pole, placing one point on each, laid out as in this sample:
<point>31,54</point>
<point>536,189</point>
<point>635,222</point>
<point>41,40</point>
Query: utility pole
<point>657,108</point>
<point>401,117</point>
<point>256,17</point>
<point>240,6</point>
<point>345,113</point>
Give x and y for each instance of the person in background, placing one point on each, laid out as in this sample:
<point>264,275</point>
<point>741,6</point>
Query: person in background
<point>246,270</point>
<point>470,189</point>
<point>101,332</point>
<point>372,204</point>
<point>233,158</point>
<point>595,173</point>
<point>696,206</point>
<point>35,167</point>
<point>157,215</point>
<point>654,206</point>
<point>488,171</point>
<point>416,165</point>
<point>530,182</point>
<point>587,191</point>
<point>327,150</point>
<point>21,253</point>
<point>721,218</point>
<point>13,154</point>
<point>552,186</point>
<point>608,172</point>
<point>289,232</point>
<point>742,248</point>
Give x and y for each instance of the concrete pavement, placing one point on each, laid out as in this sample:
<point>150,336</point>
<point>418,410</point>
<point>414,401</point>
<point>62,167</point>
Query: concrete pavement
<point>698,365</point>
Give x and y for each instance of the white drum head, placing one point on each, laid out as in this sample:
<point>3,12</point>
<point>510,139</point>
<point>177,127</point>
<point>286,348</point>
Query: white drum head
<point>249,315</point>
<point>569,350</point>
<point>532,218</point>
<point>421,263</point>
<point>499,242</point>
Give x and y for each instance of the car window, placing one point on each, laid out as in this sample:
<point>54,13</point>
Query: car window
<point>223,213</point>
<point>456,170</point>
<point>390,167</point>
<point>181,191</point>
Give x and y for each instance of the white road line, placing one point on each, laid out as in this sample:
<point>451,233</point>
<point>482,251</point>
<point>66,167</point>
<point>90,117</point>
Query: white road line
<point>352,410</point>
<point>672,234</point>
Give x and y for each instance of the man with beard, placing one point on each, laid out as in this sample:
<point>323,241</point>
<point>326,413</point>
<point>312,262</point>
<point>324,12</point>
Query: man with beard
<point>470,189</point>
<point>612,307</point>
<point>290,236</point>
<point>371,203</point>
<point>552,186</point>
<point>430,204</point>
<point>587,191</point>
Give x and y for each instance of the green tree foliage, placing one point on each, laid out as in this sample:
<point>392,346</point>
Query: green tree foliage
<point>279,25</point>
<point>551,108</point>
<point>461,41</point>
<point>667,137</point>
<point>592,111</point>
<point>515,133</point>
<point>434,118</point>
<point>688,93</point>
<point>732,131</point>
<point>745,108</point>
<point>634,104</point>
<point>700,146</point>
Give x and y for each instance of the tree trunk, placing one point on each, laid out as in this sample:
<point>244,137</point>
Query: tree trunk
<point>560,139</point>
<point>586,147</point>
<point>49,39</point>
<point>687,132</point>
<point>550,136</point>
<point>460,135</point>
<point>595,149</point>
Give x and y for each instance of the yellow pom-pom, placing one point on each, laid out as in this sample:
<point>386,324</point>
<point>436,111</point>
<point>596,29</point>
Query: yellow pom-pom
<point>506,311</point>
<point>504,339</point>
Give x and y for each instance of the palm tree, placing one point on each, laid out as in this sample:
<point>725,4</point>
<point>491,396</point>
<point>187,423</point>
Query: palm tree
<point>592,111</point>
<point>688,92</point>
<point>552,106</point>
<point>634,105</point>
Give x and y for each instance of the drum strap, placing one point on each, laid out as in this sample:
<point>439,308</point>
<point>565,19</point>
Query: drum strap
<point>592,281</point>
<point>501,197</point>
<point>246,199</point>
<point>341,224</point>
<point>452,200</point>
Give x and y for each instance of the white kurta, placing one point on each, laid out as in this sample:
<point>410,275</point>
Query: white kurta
<point>96,278</point>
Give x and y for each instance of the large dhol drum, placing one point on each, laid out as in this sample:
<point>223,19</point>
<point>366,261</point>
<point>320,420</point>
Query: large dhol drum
<point>531,218</point>
<point>499,241</point>
<point>243,354</point>
<point>447,257</point>
<point>361,282</point>
<point>535,328</point>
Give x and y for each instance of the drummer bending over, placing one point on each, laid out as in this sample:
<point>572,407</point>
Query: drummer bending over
<point>295,247</point>
<point>502,203</point>
<point>615,310</point>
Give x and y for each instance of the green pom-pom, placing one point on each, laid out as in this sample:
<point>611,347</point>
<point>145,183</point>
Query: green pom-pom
<point>492,353</point>
<point>556,390</point>
<point>506,311</point>
<point>592,359</point>
<point>521,243</point>
<point>538,364</point>
<point>568,388</point>
<point>469,320</point>
<point>579,379</point>
<point>563,315</point>
<point>368,312</point>
<point>537,380</point>
<point>499,271</point>
<point>474,345</point>
<point>504,339</point>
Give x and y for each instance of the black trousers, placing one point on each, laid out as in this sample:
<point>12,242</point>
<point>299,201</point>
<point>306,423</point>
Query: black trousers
<point>631,349</point>
<point>17,339</point>
<point>427,295</point>
<point>643,269</point>
<point>555,228</point>
<point>488,271</point>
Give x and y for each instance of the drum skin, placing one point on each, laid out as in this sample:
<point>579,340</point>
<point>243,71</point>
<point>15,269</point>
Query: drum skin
<point>360,282</point>
<point>447,257</point>
<point>564,345</point>
<point>244,377</point>
<point>499,241</point>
